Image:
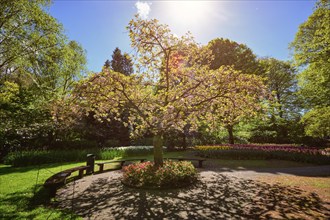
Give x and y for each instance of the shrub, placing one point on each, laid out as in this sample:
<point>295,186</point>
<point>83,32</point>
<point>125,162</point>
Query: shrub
<point>171,175</point>
<point>137,150</point>
<point>109,154</point>
<point>74,144</point>
<point>34,157</point>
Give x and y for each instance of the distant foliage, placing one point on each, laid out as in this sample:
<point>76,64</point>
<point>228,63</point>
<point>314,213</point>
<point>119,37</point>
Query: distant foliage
<point>121,63</point>
<point>311,48</point>
<point>38,66</point>
<point>230,53</point>
<point>317,122</point>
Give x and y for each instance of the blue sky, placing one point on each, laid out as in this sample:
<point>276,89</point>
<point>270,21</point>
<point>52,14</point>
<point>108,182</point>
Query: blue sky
<point>267,27</point>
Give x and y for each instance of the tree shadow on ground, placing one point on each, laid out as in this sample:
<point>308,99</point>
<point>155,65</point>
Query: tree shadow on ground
<point>308,170</point>
<point>213,197</point>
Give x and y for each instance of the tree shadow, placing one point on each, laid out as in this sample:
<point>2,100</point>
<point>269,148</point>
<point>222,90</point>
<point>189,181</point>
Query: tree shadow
<point>213,197</point>
<point>309,170</point>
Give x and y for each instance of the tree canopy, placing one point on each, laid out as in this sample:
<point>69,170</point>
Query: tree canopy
<point>38,65</point>
<point>311,48</point>
<point>174,86</point>
<point>231,53</point>
<point>121,63</point>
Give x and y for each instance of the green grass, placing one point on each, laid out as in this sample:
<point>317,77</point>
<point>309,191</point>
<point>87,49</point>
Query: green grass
<point>22,195</point>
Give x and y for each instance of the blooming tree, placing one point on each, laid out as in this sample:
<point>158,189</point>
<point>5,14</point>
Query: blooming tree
<point>173,86</point>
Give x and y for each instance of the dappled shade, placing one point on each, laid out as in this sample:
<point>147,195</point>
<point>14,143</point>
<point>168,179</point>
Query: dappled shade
<point>215,196</point>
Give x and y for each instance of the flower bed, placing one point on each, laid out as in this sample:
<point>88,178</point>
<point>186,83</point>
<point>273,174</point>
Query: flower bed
<point>254,151</point>
<point>216,147</point>
<point>172,174</point>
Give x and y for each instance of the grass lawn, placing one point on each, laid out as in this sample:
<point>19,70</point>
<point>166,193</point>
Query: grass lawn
<point>22,195</point>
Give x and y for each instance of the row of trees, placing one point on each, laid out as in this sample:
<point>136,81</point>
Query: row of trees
<point>38,66</point>
<point>179,89</point>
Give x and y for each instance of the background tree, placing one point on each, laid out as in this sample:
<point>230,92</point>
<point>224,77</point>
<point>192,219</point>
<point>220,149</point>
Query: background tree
<point>311,48</point>
<point>113,132</point>
<point>173,87</point>
<point>121,63</point>
<point>107,64</point>
<point>38,65</point>
<point>241,58</point>
<point>283,107</point>
<point>231,53</point>
<point>317,122</point>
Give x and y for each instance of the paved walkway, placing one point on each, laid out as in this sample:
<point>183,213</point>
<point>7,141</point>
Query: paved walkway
<point>312,171</point>
<point>220,194</point>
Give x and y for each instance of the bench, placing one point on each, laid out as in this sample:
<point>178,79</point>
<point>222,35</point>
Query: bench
<point>122,162</point>
<point>59,179</point>
<point>200,161</point>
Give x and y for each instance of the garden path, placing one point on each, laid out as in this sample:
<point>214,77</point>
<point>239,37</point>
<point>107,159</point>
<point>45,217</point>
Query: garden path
<point>220,194</point>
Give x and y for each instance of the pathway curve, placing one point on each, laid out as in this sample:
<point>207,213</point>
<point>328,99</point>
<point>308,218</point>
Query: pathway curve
<point>220,194</point>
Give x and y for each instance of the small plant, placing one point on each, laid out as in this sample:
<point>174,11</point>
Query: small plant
<point>171,175</point>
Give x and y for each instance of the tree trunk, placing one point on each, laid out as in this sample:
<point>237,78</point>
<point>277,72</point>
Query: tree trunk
<point>51,138</point>
<point>230,134</point>
<point>158,150</point>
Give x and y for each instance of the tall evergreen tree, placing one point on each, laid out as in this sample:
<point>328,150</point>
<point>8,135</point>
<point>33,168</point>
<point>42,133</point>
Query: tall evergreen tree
<point>107,64</point>
<point>121,63</point>
<point>115,130</point>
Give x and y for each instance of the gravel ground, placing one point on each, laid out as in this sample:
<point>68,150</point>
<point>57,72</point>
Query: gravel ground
<point>219,194</point>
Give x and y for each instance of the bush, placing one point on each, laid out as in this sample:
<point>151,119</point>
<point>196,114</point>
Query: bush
<point>74,144</point>
<point>137,150</point>
<point>170,175</point>
<point>34,157</point>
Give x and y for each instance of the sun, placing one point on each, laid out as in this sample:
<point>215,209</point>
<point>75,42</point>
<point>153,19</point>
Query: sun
<point>190,14</point>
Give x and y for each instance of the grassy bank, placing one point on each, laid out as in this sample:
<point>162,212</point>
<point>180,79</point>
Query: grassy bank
<point>22,195</point>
